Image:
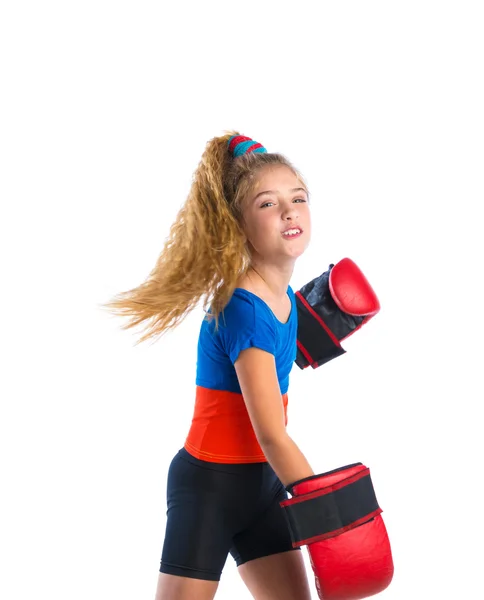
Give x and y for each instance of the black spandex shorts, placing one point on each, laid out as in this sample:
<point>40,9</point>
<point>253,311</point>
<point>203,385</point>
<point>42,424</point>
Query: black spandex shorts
<point>214,509</point>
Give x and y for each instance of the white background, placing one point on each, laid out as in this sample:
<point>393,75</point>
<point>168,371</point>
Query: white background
<point>106,108</point>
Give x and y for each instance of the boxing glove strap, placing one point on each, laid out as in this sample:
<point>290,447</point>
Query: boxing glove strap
<point>316,343</point>
<point>332,510</point>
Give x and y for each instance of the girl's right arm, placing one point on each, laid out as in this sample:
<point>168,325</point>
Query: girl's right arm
<point>257,375</point>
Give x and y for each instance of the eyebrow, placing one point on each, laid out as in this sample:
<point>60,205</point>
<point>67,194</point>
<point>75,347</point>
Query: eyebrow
<point>298,189</point>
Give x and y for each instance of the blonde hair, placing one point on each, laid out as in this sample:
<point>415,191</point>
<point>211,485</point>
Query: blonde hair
<point>207,251</point>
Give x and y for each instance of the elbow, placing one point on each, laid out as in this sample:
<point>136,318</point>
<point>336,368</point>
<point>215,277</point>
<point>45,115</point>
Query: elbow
<point>272,440</point>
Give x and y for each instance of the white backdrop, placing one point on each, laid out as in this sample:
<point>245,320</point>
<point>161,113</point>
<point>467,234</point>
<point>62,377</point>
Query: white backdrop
<point>106,110</point>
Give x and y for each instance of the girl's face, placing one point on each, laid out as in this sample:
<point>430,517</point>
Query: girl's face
<point>277,202</point>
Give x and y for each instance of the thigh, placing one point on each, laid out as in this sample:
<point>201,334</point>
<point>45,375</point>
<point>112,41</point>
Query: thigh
<point>172,587</point>
<point>196,543</point>
<point>267,562</point>
<point>277,577</point>
<point>267,534</point>
<point>198,528</point>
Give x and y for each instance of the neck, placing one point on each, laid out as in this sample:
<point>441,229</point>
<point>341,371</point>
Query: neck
<point>274,279</point>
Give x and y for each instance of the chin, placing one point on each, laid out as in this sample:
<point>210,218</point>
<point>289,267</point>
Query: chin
<point>296,254</point>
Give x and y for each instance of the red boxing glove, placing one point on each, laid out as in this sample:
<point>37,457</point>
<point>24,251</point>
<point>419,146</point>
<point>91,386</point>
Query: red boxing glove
<point>332,307</point>
<point>337,515</point>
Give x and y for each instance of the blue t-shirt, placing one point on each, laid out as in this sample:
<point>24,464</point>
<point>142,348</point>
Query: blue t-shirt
<point>246,321</point>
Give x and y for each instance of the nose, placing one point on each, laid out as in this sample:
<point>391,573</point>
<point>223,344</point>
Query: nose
<point>290,213</point>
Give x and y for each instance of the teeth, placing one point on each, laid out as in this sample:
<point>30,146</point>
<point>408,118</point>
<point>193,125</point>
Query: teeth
<point>292,231</point>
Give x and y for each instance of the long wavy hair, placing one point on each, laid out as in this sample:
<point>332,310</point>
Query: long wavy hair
<point>207,251</point>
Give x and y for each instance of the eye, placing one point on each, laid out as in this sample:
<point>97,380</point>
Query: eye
<point>295,200</point>
<point>300,199</point>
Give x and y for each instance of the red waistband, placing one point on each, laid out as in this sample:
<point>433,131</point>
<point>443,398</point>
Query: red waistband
<point>221,430</point>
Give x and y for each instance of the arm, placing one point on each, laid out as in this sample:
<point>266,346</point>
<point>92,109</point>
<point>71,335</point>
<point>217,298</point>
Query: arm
<point>257,375</point>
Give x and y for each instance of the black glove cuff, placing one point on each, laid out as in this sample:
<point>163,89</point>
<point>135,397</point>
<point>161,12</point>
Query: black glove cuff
<point>331,510</point>
<point>321,324</point>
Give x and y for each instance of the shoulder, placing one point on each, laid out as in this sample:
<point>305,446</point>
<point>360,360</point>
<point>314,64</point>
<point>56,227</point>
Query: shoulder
<point>243,323</point>
<point>240,311</point>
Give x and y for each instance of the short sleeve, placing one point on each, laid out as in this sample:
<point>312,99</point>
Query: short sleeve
<point>244,325</point>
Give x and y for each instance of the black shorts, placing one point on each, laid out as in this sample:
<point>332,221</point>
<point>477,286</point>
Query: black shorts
<point>214,509</point>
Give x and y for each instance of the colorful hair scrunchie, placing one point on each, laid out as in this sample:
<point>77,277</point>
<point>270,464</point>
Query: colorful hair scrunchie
<point>241,144</point>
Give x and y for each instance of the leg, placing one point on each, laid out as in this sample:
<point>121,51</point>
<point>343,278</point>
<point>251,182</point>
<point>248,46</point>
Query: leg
<point>173,587</point>
<point>197,538</point>
<point>277,577</point>
<point>268,564</point>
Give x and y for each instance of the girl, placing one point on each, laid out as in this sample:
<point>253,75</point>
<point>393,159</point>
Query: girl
<point>236,240</point>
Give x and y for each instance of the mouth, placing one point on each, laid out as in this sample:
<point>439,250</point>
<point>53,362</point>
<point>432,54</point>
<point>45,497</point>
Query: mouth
<point>291,234</point>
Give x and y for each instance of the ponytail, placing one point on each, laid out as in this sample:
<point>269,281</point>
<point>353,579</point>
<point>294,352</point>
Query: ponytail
<point>206,252</point>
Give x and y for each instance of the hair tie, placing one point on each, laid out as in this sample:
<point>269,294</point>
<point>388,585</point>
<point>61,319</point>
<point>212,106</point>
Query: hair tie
<point>241,144</point>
